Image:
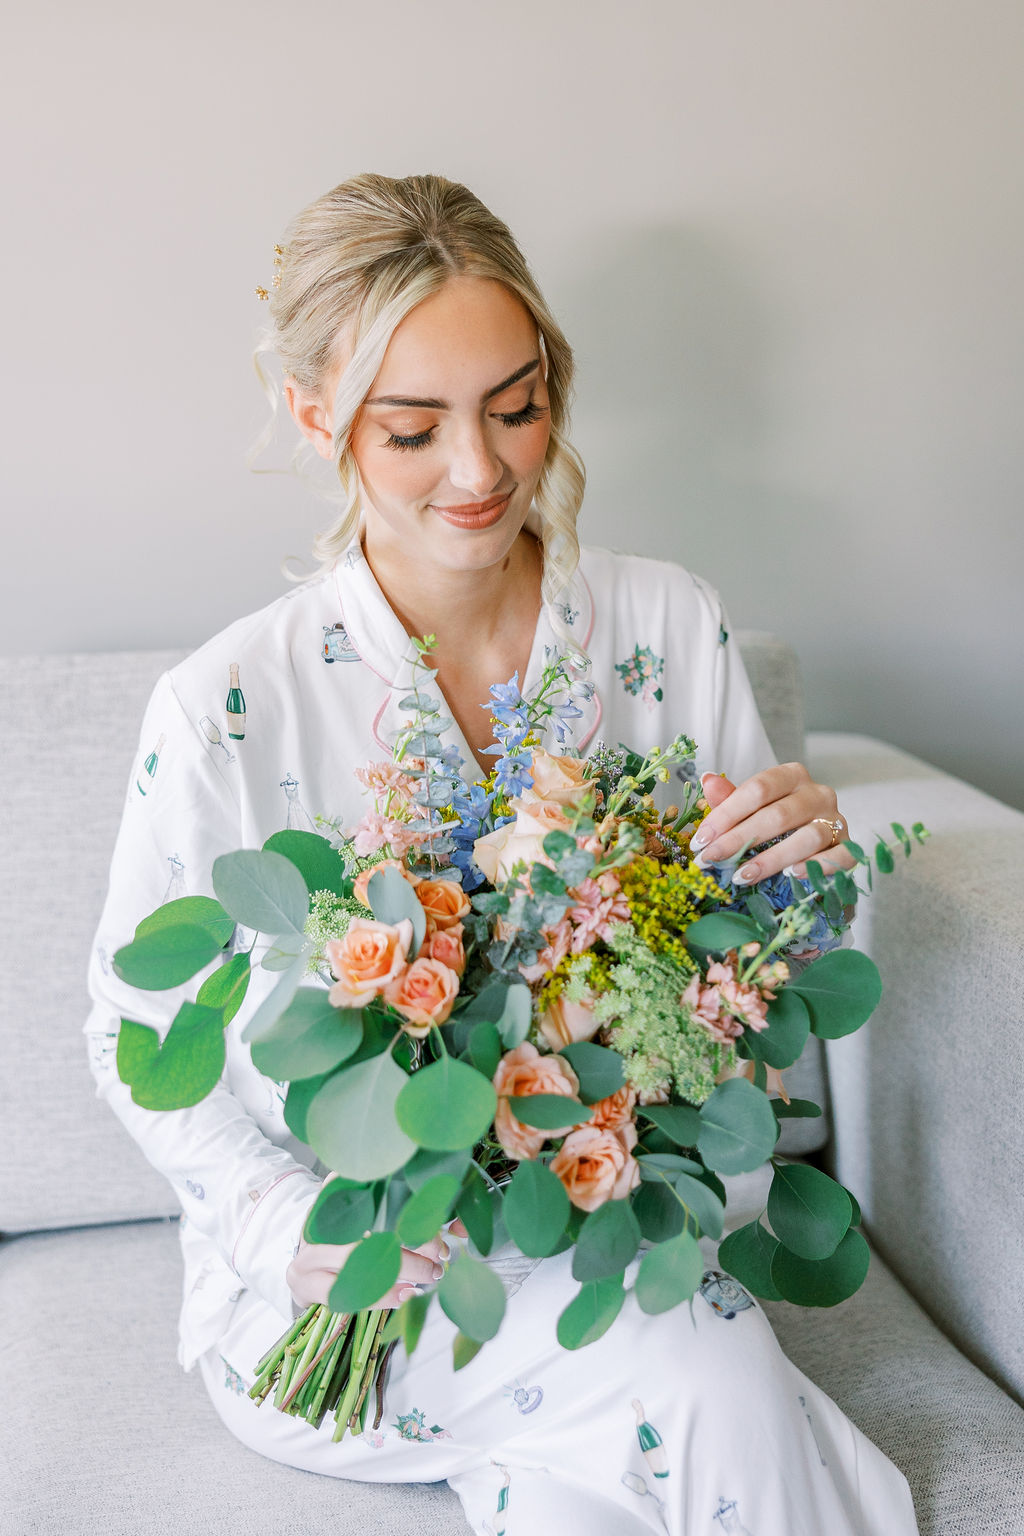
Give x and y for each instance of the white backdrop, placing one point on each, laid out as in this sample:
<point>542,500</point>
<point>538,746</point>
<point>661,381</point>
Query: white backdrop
<point>785,239</point>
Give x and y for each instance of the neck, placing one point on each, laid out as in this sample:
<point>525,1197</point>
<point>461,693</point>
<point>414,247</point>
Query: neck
<point>468,611</point>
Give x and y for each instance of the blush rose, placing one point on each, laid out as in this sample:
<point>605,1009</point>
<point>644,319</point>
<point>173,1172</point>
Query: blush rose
<point>423,994</point>
<point>596,1165</point>
<point>366,959</point>
<point>521,1073</point>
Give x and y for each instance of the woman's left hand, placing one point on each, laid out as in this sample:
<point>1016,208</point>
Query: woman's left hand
<point>779,802</point>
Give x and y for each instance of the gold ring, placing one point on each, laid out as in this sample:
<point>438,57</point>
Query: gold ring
<point>834,827</point>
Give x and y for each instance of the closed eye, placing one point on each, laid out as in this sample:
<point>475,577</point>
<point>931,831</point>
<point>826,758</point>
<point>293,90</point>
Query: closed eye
<point>530,413</point>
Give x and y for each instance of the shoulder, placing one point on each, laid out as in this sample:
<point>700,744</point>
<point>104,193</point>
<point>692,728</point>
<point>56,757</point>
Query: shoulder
<point>628,589</point>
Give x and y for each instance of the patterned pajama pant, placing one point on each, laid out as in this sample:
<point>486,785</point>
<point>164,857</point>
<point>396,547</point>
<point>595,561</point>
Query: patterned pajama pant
<point>692,1423</point>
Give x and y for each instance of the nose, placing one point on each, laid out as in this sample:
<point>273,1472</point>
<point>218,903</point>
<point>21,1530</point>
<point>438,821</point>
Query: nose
<point>474,465</point>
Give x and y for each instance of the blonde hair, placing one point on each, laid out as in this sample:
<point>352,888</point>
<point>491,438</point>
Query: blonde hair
<point>356,261</point>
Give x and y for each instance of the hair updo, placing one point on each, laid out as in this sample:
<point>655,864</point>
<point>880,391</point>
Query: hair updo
<point>357,260</point>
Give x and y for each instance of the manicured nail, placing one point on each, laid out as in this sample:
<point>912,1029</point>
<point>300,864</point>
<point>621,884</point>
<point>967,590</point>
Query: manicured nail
<point>438,1271</point>
<point>704,835</point>
<point>747,875</point>
<point>407,1291</point>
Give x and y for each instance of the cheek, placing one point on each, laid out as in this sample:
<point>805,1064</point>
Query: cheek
<point>532,446</point>
<point>392,475</point>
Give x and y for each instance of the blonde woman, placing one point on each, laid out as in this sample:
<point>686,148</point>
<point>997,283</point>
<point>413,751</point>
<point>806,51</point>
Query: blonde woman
<point>420,359</point>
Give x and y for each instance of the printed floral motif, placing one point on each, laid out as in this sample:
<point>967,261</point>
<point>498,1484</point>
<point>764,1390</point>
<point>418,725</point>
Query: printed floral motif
<point>374,1438</point>
<point>524,1399</point>
<point>413,1426</point>
<point>232,1381</point>
<point>724,1295</point>
<point>566,614</point>
<point>640,673</point>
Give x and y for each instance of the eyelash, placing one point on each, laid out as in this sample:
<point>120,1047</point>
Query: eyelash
<point>524,418</point>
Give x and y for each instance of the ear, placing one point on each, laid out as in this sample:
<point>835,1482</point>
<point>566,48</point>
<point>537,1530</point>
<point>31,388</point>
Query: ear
<point>311,418</point>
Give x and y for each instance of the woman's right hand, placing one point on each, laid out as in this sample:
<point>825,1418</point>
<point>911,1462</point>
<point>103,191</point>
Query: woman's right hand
<point>314,1269</point>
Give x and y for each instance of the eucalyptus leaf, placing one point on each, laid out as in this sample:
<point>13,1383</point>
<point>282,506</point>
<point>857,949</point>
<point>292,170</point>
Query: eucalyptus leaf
<point>822,1282</point>
<point>659,1166</point>
<point>789,1025</point>
<point>203,911</point>
<point>164,957</point>
<point>476,1210</point>
<point>658,1211</point>
<point>414,1311</point>
<point>721,931</point>
<point>796,1109</point>
<point>261,890</point>
<point>558,844</point>
<point>472,1295</point>
<point>681,1122</point>
<point>549,1111</point>
<point>546,881</point>
<point>225,988</point>
<point>276,1001</point>
<point>669,1273</point>
<point>181,1069</point>
<point>464,1349</point>
<point>319,864</point>
<point>841,989</point>
<point>485,1048</point>
<point>342,1212</point>
<point>608,1240</point>
<point>702,1203</point>
<point>424,1165</point>
<point>427,1210</point>
<point>370,1270</point>
<point>297,1101</point>
<point>535,1209</point>
<point>809,1212</point>
<point>446,1106</point>
<point>351,1120</point>
<point>747,1254</point>
<point>514,1024</point>
<point>737,1128</point>
<point>391,899</point>
<point>591,1312</point>
<point>310,1037</point>
<point>599,1070</point>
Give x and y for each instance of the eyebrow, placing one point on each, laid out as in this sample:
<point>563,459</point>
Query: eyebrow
<point>445,405</point>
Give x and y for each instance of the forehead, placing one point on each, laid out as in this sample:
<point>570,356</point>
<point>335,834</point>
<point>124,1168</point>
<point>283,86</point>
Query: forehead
<point>472,333</point>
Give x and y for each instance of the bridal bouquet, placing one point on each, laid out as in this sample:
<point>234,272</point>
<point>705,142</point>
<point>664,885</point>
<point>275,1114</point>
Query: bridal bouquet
<point>522,1004</point>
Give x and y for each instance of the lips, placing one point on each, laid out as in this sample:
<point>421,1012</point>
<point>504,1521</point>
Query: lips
<point>476,514</point>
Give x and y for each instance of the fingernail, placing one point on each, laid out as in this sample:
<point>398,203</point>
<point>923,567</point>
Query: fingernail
<point>747,875</point>
<point>407,1291</point>
<point>438,1271</point>
<point>704,835</point>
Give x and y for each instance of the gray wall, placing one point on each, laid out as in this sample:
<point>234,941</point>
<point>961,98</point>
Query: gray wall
<point>785,239</point>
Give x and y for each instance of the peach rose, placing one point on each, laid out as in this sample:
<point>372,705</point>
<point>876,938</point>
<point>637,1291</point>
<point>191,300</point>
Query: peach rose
<point>596,1165</point>
<point>363,879</point>
<point>521,1073</point>
<point>444,902</point>
<point>423,994</point>
<point>558,780</point>
<point>519,841</point>
<point>445,944</point>
<point>563,1023</point>
<point>366,959</point>
<point>616,1111</point>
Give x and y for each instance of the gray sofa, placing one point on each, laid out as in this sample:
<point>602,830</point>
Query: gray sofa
<point>104,1434</point>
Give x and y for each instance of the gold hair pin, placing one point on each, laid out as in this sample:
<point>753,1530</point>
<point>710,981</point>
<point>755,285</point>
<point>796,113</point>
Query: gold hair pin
<point>279,255</point>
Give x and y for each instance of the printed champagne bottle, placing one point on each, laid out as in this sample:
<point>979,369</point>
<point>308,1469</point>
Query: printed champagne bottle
<point>235,707</point>
<point>501,1514</point>
<point>149,767</point>
<point>650,1442</point>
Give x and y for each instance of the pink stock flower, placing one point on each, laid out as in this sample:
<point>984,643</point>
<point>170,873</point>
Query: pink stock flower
<point>599,903</point>
<point>552,955</point>
<point>387,778</point>
<point>370,834</point>
<point>725,1005</point>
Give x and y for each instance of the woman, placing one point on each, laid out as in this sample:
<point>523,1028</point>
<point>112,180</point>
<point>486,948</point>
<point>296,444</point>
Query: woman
<point>420,358</point>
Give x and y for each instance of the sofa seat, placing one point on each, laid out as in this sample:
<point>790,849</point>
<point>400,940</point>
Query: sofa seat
<point>115,1443</point>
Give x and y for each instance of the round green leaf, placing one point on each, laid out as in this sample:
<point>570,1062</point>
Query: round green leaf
<point>669,1273</point>
<point>796,1109</point>
<point>514,1024</point>
<point>681,1122</point>
<point>341,1213</point>
<point>203,911</point>
<point>225,988</point>
<point>370,1270</point>
<point>822,1282</point>
<point>703,1204</point>
<point>658,1211</point>
<point>413,1313</point>
<point>536,1209</point>
<point>425,1165</point>
<point>484,1047</point>
<point>789,1025</point>
<point>276,1000</point>
<point>476,1207</point>
<point>737,1128</point>
<point>309,1037</point>
<point>549,1111</point>
<point>473,1297</point>
<point>842,989</point>
<point>600,1071</point>
<point>591,1312</point>
<point>809,1212</point>
<point>166,956</point>
<point>463,1351</point>
<point>318,863</point>
<point>747,1254</point>
<point>425,1212</point>
<point>181,1069</point>
<point>391,899</point>
<point>557,844</point>
<point>351,1120</point>
<point>608,1240</point>
<point>665,1166</point>
<point>720,931</point>
<point>446,1106</point>
<point>261,890</point>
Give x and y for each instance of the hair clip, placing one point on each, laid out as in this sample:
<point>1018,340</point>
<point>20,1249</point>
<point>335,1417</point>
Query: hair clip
<point>280,251</point>
<point>261,293</point>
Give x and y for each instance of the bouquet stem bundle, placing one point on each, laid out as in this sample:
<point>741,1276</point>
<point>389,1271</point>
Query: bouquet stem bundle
<point>327,1362</point>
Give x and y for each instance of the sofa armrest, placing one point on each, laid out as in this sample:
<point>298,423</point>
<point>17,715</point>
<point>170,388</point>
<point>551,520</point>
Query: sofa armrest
<point>927,1098</point>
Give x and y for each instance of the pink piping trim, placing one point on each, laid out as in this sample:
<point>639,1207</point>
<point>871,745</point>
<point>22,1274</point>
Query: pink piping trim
<point>254,1207</point>
<point>376,721</point>
<point>593,610</point>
